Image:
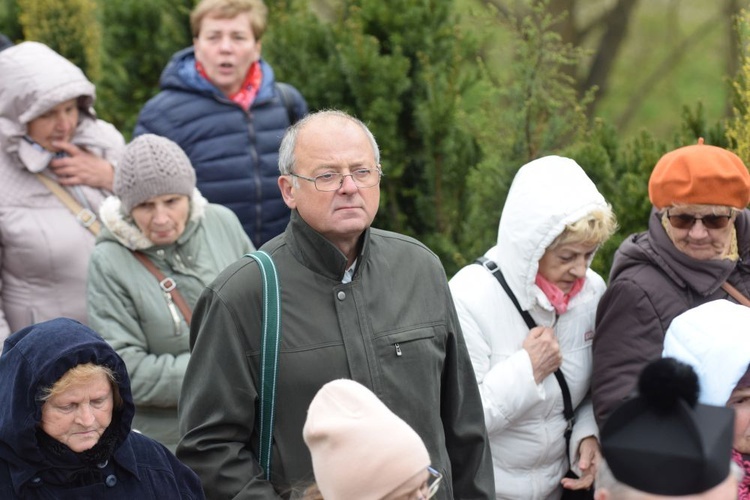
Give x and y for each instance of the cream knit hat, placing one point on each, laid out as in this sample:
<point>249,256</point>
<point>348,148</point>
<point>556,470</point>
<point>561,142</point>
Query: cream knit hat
<point>360,449</point>
<point>152,166</point>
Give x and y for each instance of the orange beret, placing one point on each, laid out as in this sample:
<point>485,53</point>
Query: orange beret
<point>699,175</point>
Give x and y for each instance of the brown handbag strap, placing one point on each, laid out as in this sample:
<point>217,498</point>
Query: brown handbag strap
<point>86,217</point>
<point>167,284</point>
<point>736,294</point>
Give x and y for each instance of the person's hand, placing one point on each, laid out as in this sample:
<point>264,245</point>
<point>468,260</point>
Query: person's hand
<point>590,456</point>
<point>82,167</point>
<point>544,351</point>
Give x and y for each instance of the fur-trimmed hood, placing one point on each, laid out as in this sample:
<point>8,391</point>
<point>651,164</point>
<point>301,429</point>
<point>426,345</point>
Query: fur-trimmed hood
<point>122,228</point>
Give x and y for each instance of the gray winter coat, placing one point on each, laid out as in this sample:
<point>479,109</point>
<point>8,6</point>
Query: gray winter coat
<point>44,250</point>
<point>130,310</point>
<point>393,328</point>
<point>652,282</point>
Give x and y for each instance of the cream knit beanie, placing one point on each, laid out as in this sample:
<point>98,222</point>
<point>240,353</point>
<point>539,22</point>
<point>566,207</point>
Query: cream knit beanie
<point>360,449</point>
<point>152,166</point>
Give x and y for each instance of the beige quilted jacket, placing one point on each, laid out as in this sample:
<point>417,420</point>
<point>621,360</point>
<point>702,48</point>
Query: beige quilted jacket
<point>44,250</point>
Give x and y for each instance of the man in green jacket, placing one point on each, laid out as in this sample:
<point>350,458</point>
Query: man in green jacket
<point>356,303</point>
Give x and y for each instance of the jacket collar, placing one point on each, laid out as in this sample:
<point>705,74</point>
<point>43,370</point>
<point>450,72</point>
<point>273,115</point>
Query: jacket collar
<point>181,74</point>
<point>656,248</point>
<point>317,253</point>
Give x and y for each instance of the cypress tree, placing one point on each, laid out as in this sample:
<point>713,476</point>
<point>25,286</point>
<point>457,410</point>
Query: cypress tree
<point>70,27</point>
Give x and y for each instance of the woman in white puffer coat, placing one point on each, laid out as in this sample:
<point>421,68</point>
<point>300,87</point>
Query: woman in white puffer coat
<point>553,221</point>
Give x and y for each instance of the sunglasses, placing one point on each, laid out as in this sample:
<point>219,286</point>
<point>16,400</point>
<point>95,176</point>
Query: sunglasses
<point>686,221</point>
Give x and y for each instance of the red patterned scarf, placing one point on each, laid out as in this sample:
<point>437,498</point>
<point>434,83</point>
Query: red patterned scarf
<point>246,95</point>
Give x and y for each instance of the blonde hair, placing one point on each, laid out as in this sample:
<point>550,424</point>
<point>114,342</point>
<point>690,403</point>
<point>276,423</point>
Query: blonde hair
<point>594,228</point>
<point>228,9</point>
<point>81,374</point>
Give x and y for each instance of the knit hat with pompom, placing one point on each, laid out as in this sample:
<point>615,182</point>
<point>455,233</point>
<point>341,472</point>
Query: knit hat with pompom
<point>152,166</point>
<point>663,441</point>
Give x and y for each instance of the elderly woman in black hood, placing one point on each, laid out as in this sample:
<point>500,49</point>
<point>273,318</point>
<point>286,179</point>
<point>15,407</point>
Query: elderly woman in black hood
<point>65,426</point>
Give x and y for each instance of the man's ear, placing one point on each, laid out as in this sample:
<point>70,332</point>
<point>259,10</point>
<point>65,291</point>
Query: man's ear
<point>601,494</point>
<point>287,191</point>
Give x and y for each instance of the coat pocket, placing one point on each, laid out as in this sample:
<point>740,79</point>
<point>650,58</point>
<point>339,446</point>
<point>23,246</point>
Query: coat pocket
<point>409,341</point>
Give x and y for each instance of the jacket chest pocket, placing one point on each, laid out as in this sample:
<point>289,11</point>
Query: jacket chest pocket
<point>411,361</point>
<point>422,345</point>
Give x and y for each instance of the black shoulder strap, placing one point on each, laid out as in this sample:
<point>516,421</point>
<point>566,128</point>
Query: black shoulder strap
<point>568,412</point>
<point>286,97</point>
<point>495,270</point>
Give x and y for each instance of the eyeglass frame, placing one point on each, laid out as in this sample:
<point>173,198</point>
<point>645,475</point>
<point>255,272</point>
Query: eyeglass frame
<point>435,485</point>
<point>314,180</point>
<point>694,218</point>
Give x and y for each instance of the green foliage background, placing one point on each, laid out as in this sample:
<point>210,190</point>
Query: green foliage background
<point>453,123</point>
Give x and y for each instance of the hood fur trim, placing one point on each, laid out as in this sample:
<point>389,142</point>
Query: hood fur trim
<point>124,229</point>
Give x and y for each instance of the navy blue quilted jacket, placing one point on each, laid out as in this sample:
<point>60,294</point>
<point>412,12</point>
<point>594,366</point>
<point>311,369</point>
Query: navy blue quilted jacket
<point>234,153</point>
<point>36,357</point>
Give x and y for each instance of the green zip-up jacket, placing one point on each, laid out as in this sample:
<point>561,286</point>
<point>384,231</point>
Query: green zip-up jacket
<point>128,308</point>
<point>393,328</point>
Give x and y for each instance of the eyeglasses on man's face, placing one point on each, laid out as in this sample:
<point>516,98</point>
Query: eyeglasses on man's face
<point>332,181</point>
<point>710,221</point>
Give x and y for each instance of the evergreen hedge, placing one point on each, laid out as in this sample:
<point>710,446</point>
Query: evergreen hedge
<point>453,126</point>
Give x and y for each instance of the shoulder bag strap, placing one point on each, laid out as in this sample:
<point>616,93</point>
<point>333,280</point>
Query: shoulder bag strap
<point>736,294</point>
<point>495,270</point>
<point>568,412</point>
<point>269,355</point>
<point>86,217</point>
<point>168,285</point>
<point>286,97</point>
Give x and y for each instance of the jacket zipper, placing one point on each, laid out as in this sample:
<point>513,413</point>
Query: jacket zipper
<point>167,285</point>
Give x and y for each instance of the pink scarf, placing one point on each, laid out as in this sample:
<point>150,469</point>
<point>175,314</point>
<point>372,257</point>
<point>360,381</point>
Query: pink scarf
<point>557,297</point>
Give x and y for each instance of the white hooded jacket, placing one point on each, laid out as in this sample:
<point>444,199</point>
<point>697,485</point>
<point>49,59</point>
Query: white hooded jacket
<point>525,421</point>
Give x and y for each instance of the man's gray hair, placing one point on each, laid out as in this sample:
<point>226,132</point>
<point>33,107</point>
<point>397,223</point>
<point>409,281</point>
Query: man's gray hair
<point>621,491</point>
<point>289,142</point>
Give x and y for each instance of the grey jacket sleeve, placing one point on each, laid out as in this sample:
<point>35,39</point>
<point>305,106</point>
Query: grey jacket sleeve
<point>217,404</point>
<point>463,421</point>
<point>629,335</point>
